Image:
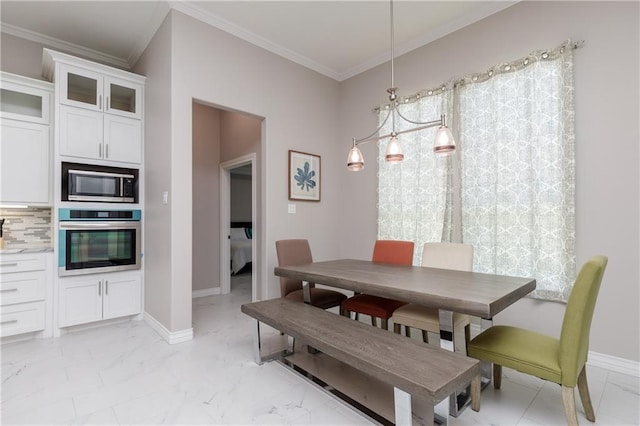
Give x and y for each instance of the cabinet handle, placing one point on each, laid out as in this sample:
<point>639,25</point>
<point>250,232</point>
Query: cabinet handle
<point>106,287</point>
<point>99,288</point>
<point>99,150</point>
<point>106,150</point>
<point>100,101</point>
<point>9,264</point>
<point>8,322</point>
<point>106,107</point>
<point>8,290</point>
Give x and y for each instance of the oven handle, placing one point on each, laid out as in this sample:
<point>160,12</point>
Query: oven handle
<point>101,225</point>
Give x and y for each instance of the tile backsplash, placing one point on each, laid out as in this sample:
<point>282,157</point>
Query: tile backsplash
<point>26,228</point>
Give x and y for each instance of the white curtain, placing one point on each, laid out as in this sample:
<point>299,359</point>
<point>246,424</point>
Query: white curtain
<point>515,133</point>
<point>515,125</point>
<point>412,195</point>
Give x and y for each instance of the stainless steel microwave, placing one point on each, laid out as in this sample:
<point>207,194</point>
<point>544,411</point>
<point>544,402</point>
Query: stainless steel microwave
<point>87,182</point>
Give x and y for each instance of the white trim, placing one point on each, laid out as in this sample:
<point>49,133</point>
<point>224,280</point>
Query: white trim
<point>209,18</point>
<point>76,49</point>
<point>214,291</point>
<point>596,359</point>
<point>225,218</point>
<point>171,337</point>
<point>613,363</point>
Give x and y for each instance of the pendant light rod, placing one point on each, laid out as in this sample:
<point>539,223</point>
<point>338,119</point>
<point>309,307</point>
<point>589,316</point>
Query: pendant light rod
<point>444,142</point>
<point>427,125</point>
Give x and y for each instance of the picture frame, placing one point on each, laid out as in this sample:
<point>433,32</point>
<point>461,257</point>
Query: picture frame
<point>304,176</point>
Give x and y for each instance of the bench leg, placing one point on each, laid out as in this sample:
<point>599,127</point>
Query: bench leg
<point>402,405</point>
<point>257,348</point>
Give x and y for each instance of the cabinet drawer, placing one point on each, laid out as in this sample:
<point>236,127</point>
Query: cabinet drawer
<point>21,318</point>
<point>22,287</point>
<point>22,263</point>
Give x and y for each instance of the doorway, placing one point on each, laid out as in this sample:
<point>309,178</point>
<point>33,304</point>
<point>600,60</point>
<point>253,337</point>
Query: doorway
<point>238,245</point>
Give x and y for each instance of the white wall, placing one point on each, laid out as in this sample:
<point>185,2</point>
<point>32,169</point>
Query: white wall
<point>299,107</point>
<point>607,186</point>
<point>206,197</point>
<point>155,63</point>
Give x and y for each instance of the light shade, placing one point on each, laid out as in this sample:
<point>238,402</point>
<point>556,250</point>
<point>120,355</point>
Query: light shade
<point>444,143</point>
<point>355,161</point>
<point>394,152</point>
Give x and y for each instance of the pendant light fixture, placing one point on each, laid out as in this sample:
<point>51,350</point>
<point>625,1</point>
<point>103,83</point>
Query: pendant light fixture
<point>444,142</point>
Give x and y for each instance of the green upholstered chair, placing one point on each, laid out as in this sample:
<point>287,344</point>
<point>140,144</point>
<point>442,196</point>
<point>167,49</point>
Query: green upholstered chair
<point>558,360</point>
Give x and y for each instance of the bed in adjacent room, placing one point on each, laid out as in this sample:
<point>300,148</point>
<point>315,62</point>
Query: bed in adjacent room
<point>241,239</point>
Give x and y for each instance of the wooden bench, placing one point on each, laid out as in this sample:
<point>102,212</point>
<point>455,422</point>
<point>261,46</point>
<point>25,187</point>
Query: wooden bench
<point>411,367</point>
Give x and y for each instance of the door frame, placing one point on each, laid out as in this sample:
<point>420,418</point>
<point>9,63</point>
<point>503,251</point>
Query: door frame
<point>225,222</point>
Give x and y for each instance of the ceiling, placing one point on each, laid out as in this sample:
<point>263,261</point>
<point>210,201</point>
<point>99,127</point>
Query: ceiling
<point>336,38</point>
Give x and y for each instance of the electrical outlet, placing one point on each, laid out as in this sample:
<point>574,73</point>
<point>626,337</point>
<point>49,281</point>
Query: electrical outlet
<point>292,208</point>
<point>165,197</point>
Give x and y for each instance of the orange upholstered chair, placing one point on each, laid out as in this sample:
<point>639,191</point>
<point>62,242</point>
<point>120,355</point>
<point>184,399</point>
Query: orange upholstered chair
<point>384,251</point>
<point>297,252</point>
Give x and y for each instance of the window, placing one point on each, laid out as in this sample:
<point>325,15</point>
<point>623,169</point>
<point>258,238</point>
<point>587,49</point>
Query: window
<point>515,136</point>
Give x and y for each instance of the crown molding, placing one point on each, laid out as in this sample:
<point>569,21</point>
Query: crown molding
<point>159,14</point>
<point>400,49</point>
<point>65,46</point>
<point>192,10</point>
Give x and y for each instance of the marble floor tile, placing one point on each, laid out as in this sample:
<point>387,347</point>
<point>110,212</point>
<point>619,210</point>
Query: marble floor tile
<point>123,373</point>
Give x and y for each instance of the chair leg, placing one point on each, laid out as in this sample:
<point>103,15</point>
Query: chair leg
<point>425,336</point>
<point>374,322</point>
<point>397,328</point>
<point>583,390</point>
<point>569,402</point>
<point>407,331</point>
<point>345,313</point>
<point>385,323</point>
<point>497,376</point>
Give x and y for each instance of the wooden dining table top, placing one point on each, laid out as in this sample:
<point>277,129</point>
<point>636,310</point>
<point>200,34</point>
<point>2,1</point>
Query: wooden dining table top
<point>473,293</point>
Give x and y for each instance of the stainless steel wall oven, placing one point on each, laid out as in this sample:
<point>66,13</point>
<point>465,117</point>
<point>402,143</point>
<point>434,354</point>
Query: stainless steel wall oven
<point>96,241</point>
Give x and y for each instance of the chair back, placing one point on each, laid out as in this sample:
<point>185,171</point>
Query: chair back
<point>394,252</point>
<point>574,338</point>
<point>454,256</point>
<point>292,253</point>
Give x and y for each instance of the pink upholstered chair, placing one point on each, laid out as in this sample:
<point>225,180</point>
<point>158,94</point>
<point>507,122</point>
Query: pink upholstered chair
<point>384,251</point>
<point>297,252</point>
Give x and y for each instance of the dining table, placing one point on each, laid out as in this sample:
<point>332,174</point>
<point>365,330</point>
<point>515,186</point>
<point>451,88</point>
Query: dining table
<point>477,294</point>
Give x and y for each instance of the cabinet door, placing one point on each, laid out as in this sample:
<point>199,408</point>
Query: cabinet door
<point>24,162</point>
<point>24,103</point>
<point>81,133</point>
<point>80,88</point>
<point>123,97</point>
<point>80,300</point>
<point>123,139</point>
<point>122,295</point>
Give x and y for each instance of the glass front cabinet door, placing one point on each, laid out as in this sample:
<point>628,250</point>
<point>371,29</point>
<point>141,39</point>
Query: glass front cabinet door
<point>92,90</point>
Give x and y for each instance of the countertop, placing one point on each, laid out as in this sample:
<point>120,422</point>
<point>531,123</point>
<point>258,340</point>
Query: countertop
<point>26,250</point>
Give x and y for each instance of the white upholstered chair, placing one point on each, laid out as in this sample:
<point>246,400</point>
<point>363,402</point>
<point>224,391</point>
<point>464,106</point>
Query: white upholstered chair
<point>443,256</point>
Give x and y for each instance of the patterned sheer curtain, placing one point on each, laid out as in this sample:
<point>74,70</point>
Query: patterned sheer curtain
<point>413,194</point>
<point>515,126</point>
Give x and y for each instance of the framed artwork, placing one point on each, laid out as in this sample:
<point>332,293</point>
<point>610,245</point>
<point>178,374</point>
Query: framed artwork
<point>304,176</point>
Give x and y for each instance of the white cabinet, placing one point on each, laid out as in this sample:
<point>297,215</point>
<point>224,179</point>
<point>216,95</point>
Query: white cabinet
<point>23,283</point>
<point>88,298</point>
<point>90,89</point>
<point>25,144</point>
<point>90,134</point>
<point>99,109</point>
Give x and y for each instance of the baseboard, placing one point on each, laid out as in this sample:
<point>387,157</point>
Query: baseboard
<point>206,292</point>
<point>171,337</point>
<point>613,363</point>
<point>596,359</point>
